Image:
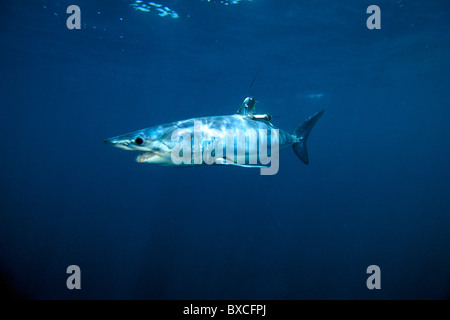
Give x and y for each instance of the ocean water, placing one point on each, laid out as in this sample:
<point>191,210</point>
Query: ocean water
<point>376,191</point>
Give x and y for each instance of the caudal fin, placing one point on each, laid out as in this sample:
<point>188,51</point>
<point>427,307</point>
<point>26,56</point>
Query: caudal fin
<point>302,133</point>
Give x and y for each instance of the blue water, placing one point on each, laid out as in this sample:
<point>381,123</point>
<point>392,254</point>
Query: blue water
<point>376,191</point>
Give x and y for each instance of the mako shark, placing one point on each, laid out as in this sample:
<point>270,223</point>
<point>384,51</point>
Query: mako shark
<point>243,139</point>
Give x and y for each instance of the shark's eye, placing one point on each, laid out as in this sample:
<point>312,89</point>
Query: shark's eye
<point>139,141</point>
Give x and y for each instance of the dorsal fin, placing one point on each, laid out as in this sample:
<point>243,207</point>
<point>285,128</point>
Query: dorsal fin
<point>247,107</point>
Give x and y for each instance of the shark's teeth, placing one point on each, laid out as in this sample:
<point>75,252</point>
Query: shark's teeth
<point>144,157</point>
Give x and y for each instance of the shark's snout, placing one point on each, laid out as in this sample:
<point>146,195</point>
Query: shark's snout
<point>119,142</point>
<point>115,141</point>
<point>108,141</point>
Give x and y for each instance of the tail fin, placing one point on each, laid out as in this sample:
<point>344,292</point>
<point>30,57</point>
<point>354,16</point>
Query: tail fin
<point>302,133</point>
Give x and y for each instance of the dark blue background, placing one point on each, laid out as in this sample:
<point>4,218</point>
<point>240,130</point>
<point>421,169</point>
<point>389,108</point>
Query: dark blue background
<point>376,190</point>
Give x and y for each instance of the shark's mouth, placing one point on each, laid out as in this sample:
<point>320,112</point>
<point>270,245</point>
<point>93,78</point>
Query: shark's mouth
<point>145,157</point>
